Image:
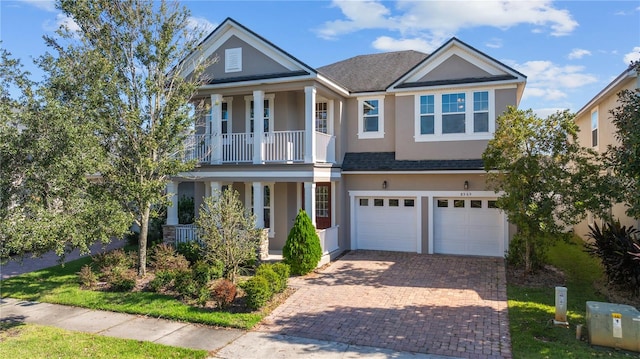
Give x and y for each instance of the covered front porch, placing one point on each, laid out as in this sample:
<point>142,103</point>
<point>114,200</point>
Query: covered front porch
<point>279,201</point>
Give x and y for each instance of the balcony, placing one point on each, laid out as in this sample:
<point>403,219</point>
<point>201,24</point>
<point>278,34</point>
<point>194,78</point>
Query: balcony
<point>275,147</point>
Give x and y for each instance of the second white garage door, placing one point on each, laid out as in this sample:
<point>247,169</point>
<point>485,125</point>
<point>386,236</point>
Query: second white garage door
<point>468,227</point>
<point>386,223</point>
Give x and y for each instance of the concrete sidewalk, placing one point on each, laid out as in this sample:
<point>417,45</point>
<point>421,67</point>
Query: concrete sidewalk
<point>220,342</point>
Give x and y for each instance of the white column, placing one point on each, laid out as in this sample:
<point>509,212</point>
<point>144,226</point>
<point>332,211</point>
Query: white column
<point>214,188</point>
<point>258,126</point>
<point>207,189</point>
<point>309,124</point>
<point>258,204</point>
<point>310,200</point>
<point>172,210</point>
<point>216,128</point>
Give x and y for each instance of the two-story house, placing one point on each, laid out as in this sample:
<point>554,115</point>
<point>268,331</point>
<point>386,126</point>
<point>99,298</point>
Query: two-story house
<point>383,151</point>
<point>597,131</point>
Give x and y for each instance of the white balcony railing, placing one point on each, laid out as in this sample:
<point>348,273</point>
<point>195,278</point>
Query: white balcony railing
<point>328,239</point>
<point>276,146</point>
<point>283,146</point>
<point>186,233</point>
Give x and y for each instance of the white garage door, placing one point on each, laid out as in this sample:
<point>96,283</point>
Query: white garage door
<point>386,223</point>
<point>468,226</point>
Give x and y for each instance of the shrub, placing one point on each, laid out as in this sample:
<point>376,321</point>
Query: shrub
<point>224,292</point>
<point>257,292</point>
<point>203,295</point>
<point>186,210</point>
<point>302,251</point>
<point>204,272</point>
<point>283,271</point>
<point>191,250</point>
<point>121,279</point>
<point>617,247</point>
<point>185,285</point>
<point>115,258</point>
<point>164,257</point>
<point>276,282</point>
<point>87,278</point>
<point>162,281</point>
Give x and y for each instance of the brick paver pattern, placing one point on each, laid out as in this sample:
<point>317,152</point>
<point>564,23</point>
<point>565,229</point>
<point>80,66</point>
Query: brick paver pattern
<point>446,305</point>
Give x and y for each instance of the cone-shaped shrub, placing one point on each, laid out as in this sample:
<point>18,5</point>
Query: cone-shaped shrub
<point>302,252</point>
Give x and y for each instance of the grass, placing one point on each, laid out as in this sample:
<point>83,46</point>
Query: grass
<point>35,341</point>
<point>59,285</point>
<point>530,310</point>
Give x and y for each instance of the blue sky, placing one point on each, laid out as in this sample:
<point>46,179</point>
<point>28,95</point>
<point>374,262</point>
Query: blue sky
<point>569,50</point>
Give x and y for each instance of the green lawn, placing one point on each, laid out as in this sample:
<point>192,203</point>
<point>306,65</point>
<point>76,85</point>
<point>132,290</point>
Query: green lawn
<point>59,285</point>
<point>530,310</point>
<point>35,341</point>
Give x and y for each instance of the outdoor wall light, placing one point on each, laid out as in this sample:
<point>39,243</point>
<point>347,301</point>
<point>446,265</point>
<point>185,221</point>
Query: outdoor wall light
<point>466,185</point>
<point>384,184</point>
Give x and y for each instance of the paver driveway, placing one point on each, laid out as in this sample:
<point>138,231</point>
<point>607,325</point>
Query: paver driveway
<point>446,305</point>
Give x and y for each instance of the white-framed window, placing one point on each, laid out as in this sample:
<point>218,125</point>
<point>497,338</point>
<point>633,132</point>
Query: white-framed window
<point>322,116</point>
<point>594,128</point>
<point>226,115</point>
<point>267,202</point>
<point>267,114</point>
<point>371,117</point>
<point>233,60</point>
<point>446,116</point>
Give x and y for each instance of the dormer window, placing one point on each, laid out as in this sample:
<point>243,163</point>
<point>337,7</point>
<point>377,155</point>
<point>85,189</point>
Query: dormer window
<point>233,60</point>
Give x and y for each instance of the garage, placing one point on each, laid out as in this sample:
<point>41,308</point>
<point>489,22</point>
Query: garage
<point>468,226</point>
<point>386,223</point>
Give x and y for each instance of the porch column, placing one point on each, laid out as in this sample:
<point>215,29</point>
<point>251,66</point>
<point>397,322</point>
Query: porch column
<point>258,126</point>
<point>309,124</point>
<point>172,210</point>
<point>310,200</point>
<point>214,188</point>
<point>258,204</point>
<point>216,129</point>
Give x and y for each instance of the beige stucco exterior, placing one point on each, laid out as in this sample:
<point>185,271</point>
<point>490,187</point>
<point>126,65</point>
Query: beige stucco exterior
<point>603,103</point>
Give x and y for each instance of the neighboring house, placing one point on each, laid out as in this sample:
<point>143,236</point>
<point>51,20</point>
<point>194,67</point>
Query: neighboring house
<point>383,151</point>
<point>597,131</point>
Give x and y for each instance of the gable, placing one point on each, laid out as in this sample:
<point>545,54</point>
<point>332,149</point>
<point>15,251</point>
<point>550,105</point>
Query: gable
<point>242,55</point>
<point>458,64</point>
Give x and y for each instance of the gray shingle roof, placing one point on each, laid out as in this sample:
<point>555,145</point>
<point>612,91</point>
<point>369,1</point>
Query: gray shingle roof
<point>386,161</point>
<point>369,73</point>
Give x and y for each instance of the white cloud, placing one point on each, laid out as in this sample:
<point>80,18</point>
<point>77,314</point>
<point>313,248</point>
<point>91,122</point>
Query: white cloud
<point>47,5</point>
<point>578,54</point>
<point>494,43</point>
<point>546,112</point>
<point>200,24</point>
<point>634,55</point>
<point>386,43</point>
<point>425,19</point>
<point>61,20</point>
<point>550,81</point>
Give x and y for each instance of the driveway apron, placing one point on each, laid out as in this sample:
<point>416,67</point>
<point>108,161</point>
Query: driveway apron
<point>436,304</point>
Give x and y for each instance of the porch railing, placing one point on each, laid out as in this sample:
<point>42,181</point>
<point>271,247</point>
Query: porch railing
<point>197,147</point>
<point>328,239</point>
<point>186,233</point>
<point>325,147</point>
<point>237,147</point>
<point>283,146</point>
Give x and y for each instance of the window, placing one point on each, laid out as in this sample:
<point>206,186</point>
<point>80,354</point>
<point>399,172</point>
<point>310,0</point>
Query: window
<point>233,60</point>
<point>409,203</point>
<point>378,202</point>
<point>266,210</point>
<point>394,203</point>
<point>371,118</point>
<point>443,203</point>
<point>594,128</point>
<point>427,115</point>
<point>453,111</point>
<point>481,111</point>
<point>226,115</point>
<point>267,113</point>
<point>492,204</point>
<point>458,203</point>
<point>476,203</point>
<point>364,202</point>
<point>448,117</point>
<point>321,117</point>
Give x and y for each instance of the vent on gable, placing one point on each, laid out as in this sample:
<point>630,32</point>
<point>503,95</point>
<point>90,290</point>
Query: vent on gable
<point>233,60</point>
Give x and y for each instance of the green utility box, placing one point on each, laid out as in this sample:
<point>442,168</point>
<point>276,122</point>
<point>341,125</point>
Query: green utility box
<point>613,325</point>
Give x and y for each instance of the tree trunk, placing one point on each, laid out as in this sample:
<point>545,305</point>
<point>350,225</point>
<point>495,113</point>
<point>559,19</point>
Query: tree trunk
<point>142,241</point>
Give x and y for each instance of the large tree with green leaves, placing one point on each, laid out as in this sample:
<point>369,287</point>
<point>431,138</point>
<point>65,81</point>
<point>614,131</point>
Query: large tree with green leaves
<point>47,201</point>
<point>123,72</point>
<point>546,180</point>
<point>624,157</point>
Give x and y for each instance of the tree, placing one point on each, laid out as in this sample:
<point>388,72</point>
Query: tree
<point>228,232</point>
<point>302,251</point>
<point>546,179</point>
<point>122,73</point>
<point>624,157</point>
<point>47,202</point>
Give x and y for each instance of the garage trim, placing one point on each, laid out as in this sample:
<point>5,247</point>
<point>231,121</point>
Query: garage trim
<point>419,195</point>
